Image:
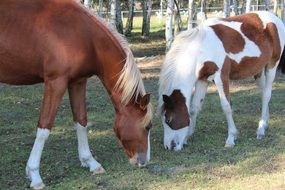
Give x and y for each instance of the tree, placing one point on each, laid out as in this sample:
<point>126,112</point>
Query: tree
<point>129,25</point>
<point>275,8</point>
<point>248,6</point>
<point>190,14</point>
<point>235,4</point>
<point>177,19</point>
<point>226,8</point>
<point>267,4</point>
<point>147,4</point>
<point>168,23</point>
<point>100,8</point>
<point>112,19</point>
<point>119,22</point>
<point>87,4</point>
<point>283,10</point>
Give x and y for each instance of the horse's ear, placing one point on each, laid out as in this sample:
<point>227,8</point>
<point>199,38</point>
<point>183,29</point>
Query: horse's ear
<point>167,101</point>
<point>144,101</point>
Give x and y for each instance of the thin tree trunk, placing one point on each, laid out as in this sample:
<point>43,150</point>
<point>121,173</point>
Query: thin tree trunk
<point>147,4</point>
<point>112,19</point>
<point>129,25</point>
<point>243,7</point>
<point>267,5</point>
<point>248,6</point>
<point>283,10</point>
<point>235,3</point>
<point>168,24</point>
<point>177,19</point>
<point>275,9</point>
<point>226,8</point>
<point>100,8</point>
<point>119,22</point>
<point>87,4</point>
<point>204,8</point>
<point>190,14</point>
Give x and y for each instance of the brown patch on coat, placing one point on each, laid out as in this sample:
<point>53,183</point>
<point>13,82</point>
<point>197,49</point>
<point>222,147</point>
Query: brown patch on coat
<point>208,69</point>
<point>266,39</point>
<point>232,40</point>
<point>176,112</point>
<point>225,73</point>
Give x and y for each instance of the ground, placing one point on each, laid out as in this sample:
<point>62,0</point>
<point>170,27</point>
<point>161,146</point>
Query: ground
<point>203,164</point>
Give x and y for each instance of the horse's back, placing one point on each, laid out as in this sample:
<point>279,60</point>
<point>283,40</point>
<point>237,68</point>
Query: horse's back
<point>248,42</point>
<point>35,35</point>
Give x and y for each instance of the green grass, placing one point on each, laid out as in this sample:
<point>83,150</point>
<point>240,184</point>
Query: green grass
<point>203,164</point>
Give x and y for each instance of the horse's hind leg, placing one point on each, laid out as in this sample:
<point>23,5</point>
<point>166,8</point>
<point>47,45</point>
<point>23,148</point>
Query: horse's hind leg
<point>53,92</point>
<point>223,89</point>
<point>77,100</point>
<point>197,102</point>
<point>265,84</point>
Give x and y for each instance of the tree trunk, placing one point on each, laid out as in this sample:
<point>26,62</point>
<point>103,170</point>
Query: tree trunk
<point>147,4</point>
<point>242,11</point>
<point>100,8</point>
<point>283,10</point>
<point>177,19</point>
<point>226,8</point>
<point>190,14</point>
<point>119,22</point>
<point>235,4</point>
<point>275,9</point>
<point>168,24</point>
<point>248,6</point>
<point>112,19</point>
<point>204,8</point>
<point>87,4</point>
<point>267,5</point>
<point>129,25</point>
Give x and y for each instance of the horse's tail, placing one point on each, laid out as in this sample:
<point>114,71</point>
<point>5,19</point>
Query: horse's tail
<point>281,65</point>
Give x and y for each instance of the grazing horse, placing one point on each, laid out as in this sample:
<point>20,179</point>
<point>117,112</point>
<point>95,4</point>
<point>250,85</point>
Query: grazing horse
<point>61,44</point>
<point>219,50</point>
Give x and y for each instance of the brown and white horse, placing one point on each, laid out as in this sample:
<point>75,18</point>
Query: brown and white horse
<point>219,50</point>
<point>59,43</point>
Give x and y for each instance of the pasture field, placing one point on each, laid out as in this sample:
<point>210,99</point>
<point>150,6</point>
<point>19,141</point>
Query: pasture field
<point>203,164</point>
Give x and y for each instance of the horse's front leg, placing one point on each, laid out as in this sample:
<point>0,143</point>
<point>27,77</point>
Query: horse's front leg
<point>53,92</point>
<point>197,102</point>
<point>77,92</point>
<point>223,89</point>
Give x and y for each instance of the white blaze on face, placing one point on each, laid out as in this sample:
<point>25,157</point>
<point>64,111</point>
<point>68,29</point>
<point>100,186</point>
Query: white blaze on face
<point>171,136</point>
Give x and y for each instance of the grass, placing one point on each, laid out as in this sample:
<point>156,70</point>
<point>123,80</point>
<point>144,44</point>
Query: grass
<point>203,164</point>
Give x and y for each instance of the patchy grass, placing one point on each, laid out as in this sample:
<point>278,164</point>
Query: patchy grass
<point>203,164</point>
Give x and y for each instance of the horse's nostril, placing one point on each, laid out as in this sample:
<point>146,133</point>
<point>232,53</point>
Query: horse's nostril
<point>173,145</point>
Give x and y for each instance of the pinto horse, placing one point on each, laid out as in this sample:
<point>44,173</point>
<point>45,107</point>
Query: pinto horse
<point>61,44</point>
<point>220,50</point>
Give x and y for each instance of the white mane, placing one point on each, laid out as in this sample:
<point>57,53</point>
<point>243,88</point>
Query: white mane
<point>168,69</point>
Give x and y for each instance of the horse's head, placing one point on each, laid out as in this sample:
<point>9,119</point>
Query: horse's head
<point>175,119</point>
<point>132,127</point>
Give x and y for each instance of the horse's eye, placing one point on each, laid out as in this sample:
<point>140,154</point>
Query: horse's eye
<point>168,121</point>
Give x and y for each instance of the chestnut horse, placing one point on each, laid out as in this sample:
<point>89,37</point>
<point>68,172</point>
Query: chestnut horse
<point>60,43</point>
<point>220,50</point>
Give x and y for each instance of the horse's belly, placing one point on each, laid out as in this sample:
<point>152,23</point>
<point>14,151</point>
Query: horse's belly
<point>19,75</point>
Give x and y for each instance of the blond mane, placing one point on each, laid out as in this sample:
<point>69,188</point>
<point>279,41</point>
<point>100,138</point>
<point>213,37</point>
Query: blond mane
<point>129,83</point>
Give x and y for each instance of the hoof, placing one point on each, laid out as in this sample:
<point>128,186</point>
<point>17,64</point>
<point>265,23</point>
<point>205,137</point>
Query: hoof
<point>38,186</point>
<point>229,145</point>
<point>99,170</point>
<point>260,136</point>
